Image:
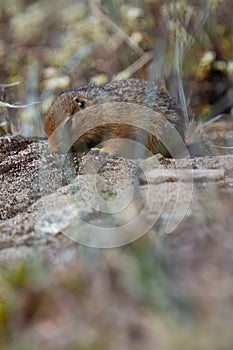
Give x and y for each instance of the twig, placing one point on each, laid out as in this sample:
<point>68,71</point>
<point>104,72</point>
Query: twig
<point>97,11</point>
<point>10,85</point>
<point>6,104</point>
<point>212,120</point>
<point>128,72</point>
<point>223,147</point>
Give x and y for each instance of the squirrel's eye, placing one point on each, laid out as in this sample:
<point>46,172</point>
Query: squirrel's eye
<point>80,103</point>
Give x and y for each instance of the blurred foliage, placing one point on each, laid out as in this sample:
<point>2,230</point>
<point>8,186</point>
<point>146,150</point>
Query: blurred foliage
<point>85,41</point>
<point>133,297</point>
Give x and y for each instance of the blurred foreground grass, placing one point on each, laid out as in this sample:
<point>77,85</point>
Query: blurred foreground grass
<point>129,298</point>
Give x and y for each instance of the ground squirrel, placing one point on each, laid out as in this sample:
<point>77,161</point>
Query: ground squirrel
<point>75,107</point>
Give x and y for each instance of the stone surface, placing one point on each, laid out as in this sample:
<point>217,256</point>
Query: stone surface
<point>42,195</point>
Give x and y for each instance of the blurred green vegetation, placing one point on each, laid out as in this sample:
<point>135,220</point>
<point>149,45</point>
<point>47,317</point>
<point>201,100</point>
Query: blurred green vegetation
<point>82,41</point>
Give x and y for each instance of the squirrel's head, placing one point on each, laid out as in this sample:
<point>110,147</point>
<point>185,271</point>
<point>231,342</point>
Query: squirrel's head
<point>63,107</point>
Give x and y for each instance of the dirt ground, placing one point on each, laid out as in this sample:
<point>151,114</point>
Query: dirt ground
<point>180,216</point>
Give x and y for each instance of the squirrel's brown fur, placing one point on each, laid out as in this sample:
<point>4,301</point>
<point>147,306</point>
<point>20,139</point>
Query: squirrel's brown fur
<point>121,99</point>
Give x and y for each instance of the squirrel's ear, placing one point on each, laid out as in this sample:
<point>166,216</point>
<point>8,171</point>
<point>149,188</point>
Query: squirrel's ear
<point>81,103</point>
